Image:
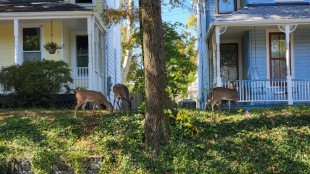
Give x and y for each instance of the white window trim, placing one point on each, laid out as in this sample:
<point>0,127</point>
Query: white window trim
<point>239,43</point>
<point>42,39</point>
<point>93,4</point>
<point>291,51</point>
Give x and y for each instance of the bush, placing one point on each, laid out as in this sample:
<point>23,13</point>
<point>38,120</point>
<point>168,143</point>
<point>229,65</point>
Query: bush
<point>34,83</point>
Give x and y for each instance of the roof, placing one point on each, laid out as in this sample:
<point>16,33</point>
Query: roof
<point>38,6</point>
<point>272,12</point>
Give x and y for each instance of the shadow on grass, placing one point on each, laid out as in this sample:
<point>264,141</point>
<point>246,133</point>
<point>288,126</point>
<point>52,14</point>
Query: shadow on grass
<point>259,144</point>
<point>20,127</point>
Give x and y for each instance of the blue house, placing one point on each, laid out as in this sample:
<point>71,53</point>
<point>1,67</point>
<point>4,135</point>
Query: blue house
<point>262,44</point>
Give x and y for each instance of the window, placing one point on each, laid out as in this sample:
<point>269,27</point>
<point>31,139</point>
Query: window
<point>82,51</point>
<point>84,1</point>
<point>229,61</point>
<point>226,6</point>
<point>31,44</point>
<point>277,56</point>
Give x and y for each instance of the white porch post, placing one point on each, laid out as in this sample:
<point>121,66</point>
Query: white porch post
<point>90,52</point>
<point>288,69</point>
<point>288,29</point>
<point>218,33</point>
<point>16,27</point>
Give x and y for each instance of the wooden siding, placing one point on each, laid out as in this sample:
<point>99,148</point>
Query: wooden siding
<point>67,45</point>
<point>245,55</point>
<point>211,9</point>
<point>302,53</point>
<point>56,38</point>
<point>258,60</point>
<point>7,45</point>
<point>203,73</point>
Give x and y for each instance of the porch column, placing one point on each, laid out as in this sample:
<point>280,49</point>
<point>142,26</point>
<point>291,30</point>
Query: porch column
<point>287,29</point>
<point>218,32</point>
<point>17,61</point>
<point>90,26</point>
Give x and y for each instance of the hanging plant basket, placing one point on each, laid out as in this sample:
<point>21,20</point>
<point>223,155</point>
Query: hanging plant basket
<point>52,50</point>
<point>51,47</point>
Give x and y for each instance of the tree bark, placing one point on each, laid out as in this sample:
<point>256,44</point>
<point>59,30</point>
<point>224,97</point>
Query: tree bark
<point>155,74</point>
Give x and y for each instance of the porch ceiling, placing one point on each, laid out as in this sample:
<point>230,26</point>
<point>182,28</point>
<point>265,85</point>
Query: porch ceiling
<point>75,24</point>
<point>237,32</point>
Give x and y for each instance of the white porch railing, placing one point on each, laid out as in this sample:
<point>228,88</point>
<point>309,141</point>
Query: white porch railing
<point>271,90</point>
<point>80,77</point>
<point>301,90</point>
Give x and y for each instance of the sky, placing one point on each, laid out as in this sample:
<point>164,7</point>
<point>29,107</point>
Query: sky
<point>176,14</point>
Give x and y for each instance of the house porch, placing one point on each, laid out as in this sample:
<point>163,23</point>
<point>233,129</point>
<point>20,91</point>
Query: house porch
<point>82,37</point>
<point>260,63</point>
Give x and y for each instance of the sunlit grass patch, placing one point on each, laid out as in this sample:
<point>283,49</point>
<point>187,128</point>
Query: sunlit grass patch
<point>270,140</point>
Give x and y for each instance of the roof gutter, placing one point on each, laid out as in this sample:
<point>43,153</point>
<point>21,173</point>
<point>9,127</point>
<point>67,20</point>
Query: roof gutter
<point>44,15</point>
<point>263,22</point>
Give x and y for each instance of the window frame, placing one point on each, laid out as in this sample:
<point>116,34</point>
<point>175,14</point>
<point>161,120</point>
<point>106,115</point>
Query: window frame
<point>237,52</point>
<point>218,7</point>
<point>281,58</point>
<point>41,40</point>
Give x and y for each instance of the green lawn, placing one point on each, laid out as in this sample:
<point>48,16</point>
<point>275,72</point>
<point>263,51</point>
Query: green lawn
<point>271,140</point>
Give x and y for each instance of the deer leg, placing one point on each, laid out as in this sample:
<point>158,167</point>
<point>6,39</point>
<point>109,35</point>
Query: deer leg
<point>77,106</point>
<point>118,103</point>
<point>83,107</point>
<point>237,104</point>
<point>114,101</point>
<point>99,109</point>
<point>212,105</point>
<point>219,105</point>
<point>229,106</point>
<point>94,105</point>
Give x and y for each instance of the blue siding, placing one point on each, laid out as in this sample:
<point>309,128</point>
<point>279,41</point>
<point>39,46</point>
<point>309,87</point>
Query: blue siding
<point>245,56</point>
<point>211,6</point>
<point>301,53</point>
<point>203,78</point>
<point>258,60</point>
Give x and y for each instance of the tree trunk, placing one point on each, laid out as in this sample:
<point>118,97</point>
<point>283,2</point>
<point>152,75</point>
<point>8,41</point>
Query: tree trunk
<point>155,74</point>
<point>128,56</point>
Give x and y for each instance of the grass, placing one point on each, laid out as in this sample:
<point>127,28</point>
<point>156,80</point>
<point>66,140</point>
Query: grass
<point>270,140</point>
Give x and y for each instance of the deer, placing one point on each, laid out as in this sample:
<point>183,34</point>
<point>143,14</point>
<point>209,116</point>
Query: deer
<point>98,98</point>
<point>219,94</point>
<point>121,91</point>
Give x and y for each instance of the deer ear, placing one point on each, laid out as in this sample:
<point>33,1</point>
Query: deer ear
<point>235,81</point>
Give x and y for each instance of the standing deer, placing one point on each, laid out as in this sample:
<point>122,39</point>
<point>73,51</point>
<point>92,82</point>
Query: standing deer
<point>220,95</point>
<point>121,92</point>
<point>98,98</point>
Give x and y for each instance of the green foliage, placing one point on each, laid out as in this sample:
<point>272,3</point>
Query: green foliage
<point>271,140</point>
<point>34,83</point>
<point>50,45</point>
<point>180,56</point>
<point>43,160</point>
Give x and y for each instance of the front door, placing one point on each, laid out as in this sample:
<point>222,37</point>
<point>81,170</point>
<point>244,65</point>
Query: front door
<point>229,61</point>
<point>277,60</point>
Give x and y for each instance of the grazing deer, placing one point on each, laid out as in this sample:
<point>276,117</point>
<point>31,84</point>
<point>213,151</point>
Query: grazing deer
<point>98,98</point>
<point>121,92</point>
<point>220,95</point>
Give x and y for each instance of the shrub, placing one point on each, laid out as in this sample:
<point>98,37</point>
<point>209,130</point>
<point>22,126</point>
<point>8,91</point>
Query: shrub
<point>34,83</point>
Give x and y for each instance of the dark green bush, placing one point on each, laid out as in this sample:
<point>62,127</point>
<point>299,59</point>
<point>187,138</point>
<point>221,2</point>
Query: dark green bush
<point>34,83</point>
